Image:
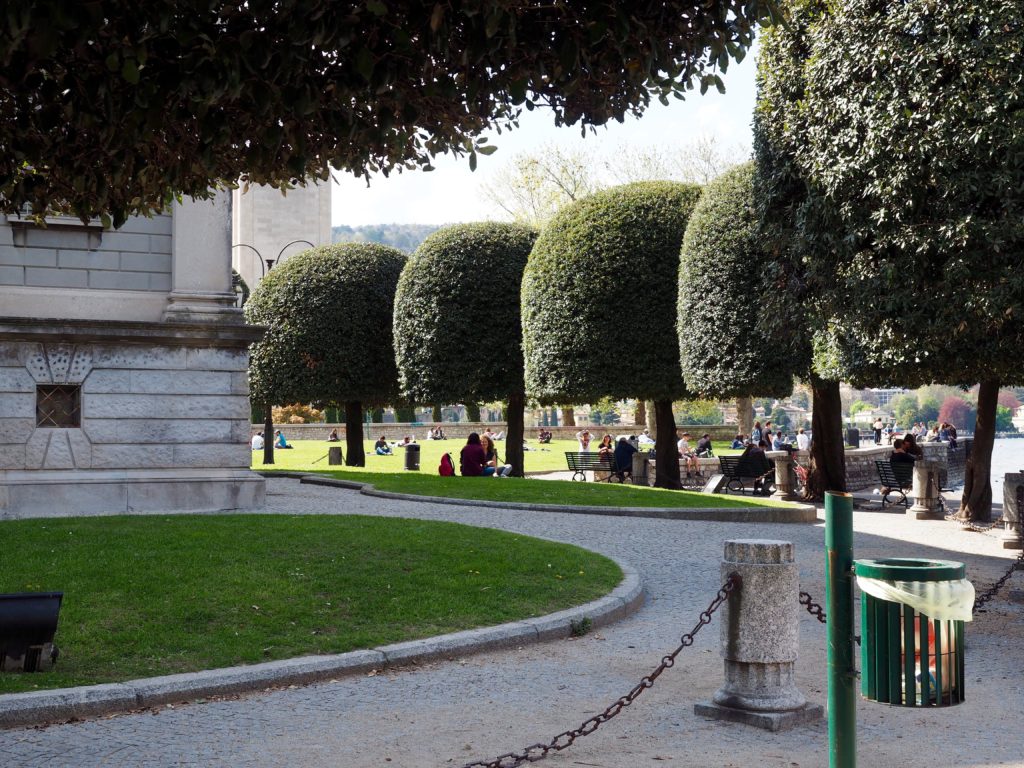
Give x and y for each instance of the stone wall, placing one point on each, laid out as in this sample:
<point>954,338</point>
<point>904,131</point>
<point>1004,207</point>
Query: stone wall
<point>162,426</point>
<point>460,430</point>
<point>66,254</point>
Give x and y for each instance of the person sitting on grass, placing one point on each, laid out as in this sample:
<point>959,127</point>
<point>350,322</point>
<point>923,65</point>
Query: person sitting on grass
<point>544,437</point>
<point>257,442</point>
<point>472,459</point>
<point>645,438</point>
<point>492,464</point>
<point>381,447</point>
<point>280,442</point>
<point>333,437</point>
<point>737,442</point>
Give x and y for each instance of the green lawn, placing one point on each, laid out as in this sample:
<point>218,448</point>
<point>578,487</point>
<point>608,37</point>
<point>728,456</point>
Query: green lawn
<point>159,595</point>
<point>386,474</point>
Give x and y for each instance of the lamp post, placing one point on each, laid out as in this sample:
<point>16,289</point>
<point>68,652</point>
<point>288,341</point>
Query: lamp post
<point>270,262</point>
<point>259,256</point>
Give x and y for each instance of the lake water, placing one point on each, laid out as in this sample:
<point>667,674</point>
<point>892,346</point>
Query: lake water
<point>1007,456</point>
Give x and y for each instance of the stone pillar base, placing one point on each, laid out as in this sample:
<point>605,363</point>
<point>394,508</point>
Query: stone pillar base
<point>769,721</point>
<point>922,512</point>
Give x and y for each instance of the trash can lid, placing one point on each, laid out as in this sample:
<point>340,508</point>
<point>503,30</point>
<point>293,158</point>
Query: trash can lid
<point>910,569</point>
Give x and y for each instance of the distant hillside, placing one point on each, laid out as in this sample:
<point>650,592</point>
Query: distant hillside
<point>406,237</point>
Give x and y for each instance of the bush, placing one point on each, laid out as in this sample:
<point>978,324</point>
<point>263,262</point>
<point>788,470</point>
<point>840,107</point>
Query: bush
<point>297,413</point>
<point>724,349</point>
<point>599,297</point>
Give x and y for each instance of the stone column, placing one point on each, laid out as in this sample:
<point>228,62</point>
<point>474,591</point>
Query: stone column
<point>926,491</point>
<point>785,477</point>
<point>201,263</point>
<point>760,639</point>
<point>1013,501</point>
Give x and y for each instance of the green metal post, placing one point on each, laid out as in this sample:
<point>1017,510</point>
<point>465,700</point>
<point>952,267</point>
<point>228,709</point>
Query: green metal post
<point>842,700</point>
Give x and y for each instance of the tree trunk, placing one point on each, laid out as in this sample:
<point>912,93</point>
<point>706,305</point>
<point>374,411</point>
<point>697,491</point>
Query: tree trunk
<point>976,502</point>
<point>437,415</point>
<point>405,414</point>
<point>652,421</point>
<point>745,415</point>
<point>514,428</point>
<point>828,454</point>
<point>354,455</point>
<point>554,416</point>
<point>472,411</point>
<point>377,416</point>
<point>666,462</point>
<point>568,416</point>
<point>640,414</point>
<point>268,434</point>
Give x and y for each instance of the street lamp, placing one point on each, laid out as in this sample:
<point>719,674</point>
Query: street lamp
<point>270,262</point>
<point>263,267</point>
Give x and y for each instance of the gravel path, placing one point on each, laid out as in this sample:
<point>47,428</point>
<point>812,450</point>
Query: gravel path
<point>451,712</point>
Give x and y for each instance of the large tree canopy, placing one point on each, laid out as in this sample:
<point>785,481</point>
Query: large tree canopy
<point>112,107</point>
<point>328,316</point>
<point>458,336</point>
<point>599,304</point>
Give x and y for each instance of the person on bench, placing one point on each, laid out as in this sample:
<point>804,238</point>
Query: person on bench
<point>899,455</point>
<point>624,451</point>
<point>704,446</point>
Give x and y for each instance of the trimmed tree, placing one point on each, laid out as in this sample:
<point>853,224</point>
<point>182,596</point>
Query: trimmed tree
<point>328,316</point>
<point>724,349</point>
<point>797,231</point>
<point>599,260</point>
<point>457,329</point>
<point>923,161</point>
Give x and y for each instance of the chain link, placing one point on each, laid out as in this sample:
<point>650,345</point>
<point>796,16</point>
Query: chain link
<point>991,592</point>
<point>812,607</point>
<point>536,752</point>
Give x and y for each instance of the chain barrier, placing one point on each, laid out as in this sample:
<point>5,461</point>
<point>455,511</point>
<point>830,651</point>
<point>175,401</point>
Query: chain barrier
<point>812,607</point>
<point>988,594</point>
<point>537,752</point>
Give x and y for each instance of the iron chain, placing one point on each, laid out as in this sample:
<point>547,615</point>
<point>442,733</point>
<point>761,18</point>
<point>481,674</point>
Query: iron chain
<point>812,607</point>
<point>991,592</point>
<point>536,752</point>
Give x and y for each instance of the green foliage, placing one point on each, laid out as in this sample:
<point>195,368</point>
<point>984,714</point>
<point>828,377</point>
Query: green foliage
<point>958,412</point>
<point>1004,419</point>
<point>113,107</point>
<point>725,350</point>
<point>913,131</point>
<point>599,296</point>
<point>328,317</point>
<point>697,412</point>
<point>456,324</point>
<point>404,237</point>
<point>859,405</point>
<point>780,418</point>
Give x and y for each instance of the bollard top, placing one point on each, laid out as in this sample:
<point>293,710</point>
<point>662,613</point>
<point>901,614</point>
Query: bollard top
<point>759,551</point>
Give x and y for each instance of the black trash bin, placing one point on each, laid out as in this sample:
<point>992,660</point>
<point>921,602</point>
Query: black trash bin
<point>412,457</point>
<point>853,437</point>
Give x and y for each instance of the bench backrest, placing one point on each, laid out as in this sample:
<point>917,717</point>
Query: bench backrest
<point>585,460</point>
<point>899,475</point>
<point>752,465</point>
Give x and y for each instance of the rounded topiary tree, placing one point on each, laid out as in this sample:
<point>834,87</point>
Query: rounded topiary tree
<point>457,329</point>
<point>724,350</point>
<point>599,304</point>
<point>328,316</point>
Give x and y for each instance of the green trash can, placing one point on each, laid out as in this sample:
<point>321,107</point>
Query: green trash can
<point>912,630</point>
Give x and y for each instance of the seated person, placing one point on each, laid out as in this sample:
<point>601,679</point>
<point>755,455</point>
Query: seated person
<point>737,442</point>
<point>280,442</point>
<point>257,442</point>
<point>779,442</point>
<point>439,434</point>
<point>381,447</point>
<point>492,462</point>
<point>704,446</point>
<point>645,438</point>
<point>899,455</point>
<point>753,450</point>
<point>803,441</point>
<point>685,452</point>
<point>472,460</point>
<point>333,437</point>
<point>544,436</point>
<point>624,451</point>
<point>500,435</point>
<point>607,447</point>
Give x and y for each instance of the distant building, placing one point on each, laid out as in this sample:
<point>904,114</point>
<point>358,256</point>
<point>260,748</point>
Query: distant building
<point>268,226</point>
<point>1018,419</point>
<point>887,395</point>
<point>123,366</point>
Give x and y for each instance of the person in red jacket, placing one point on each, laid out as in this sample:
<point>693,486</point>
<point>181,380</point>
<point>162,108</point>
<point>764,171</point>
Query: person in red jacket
<point>472,459</point>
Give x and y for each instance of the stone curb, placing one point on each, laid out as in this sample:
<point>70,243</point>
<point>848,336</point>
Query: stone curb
<point>795,513</point>
<point>39,707</point>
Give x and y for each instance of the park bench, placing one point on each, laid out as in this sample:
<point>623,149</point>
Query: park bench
<point>898,478</point>
<point>582,462</point>
<point>739,470</point>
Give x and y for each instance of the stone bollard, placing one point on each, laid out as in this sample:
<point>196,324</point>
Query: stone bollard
<point>926,491</point>
<point>1013,504</point>
<point>760,639</point>
<point>334,455</point>
<point>639,469</point>
<point>785,477</point>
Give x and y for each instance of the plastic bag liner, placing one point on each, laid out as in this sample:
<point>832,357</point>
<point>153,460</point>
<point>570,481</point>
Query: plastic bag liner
<point>942,600</point>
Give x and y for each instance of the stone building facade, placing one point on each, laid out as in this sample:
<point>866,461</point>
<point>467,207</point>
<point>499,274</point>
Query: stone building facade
<point>123,366</point>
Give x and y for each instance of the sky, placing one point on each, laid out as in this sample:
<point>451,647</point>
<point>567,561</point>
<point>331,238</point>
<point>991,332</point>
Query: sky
<point>452,193</point>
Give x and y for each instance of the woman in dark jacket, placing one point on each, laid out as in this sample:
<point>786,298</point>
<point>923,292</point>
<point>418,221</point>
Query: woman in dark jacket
<point>472,459</point>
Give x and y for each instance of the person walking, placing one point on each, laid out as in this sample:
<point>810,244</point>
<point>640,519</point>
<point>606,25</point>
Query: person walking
<point>877,426</point>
